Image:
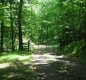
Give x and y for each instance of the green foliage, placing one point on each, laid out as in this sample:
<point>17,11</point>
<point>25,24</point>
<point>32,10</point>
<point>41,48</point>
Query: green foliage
<point>73,48</point>
<point>43,21</point>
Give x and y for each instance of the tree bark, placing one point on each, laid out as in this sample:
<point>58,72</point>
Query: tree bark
<point>85,30</point>
<point>2,29</point>
<point>12,28</point>
<point>85,24</point>
<point>20,25</point>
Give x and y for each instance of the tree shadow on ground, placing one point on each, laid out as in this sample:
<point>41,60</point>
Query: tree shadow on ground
<point>65,68</point>
<point>61,70</point>
<point>16,67</point>
<point>17,71</point>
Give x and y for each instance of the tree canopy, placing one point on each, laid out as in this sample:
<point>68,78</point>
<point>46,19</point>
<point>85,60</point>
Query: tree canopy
<point>49,22</point>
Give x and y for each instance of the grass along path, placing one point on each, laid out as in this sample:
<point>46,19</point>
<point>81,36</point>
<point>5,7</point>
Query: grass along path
<point>15,66</point>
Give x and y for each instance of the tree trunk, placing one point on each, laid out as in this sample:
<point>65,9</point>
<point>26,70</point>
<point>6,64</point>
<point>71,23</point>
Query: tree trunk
<point>12,31</point>
<point>85,24</point>
<point>2,29</point>
<point>20,25</point>
<point>85,30</point>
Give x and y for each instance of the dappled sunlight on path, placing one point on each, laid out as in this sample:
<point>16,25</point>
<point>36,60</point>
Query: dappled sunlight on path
<point>49,66</point>
<point>44,58</point>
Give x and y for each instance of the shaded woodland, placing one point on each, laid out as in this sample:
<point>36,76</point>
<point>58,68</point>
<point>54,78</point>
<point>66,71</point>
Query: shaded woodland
<point>54,22</point>
<point>57,26</point>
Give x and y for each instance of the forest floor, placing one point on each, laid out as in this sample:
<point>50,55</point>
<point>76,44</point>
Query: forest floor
<point>49,66</point>
<point>44,64</point>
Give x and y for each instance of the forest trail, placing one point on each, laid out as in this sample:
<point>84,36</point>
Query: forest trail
<point>49,66</point>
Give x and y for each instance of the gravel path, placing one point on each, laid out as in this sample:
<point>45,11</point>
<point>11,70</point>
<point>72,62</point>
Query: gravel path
<point>49,66</point>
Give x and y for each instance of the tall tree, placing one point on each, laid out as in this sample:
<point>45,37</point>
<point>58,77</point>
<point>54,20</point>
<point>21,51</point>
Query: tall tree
<point>2,27</point>
<point>11,18</point>
<point>85,25</point>
<point>20,25</point>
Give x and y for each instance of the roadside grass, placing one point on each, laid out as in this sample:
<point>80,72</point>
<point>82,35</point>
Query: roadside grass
<point>16,66</point>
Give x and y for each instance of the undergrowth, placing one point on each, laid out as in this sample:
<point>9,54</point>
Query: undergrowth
<point>76,49</point>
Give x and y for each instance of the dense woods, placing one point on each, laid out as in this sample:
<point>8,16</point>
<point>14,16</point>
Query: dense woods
<point>51,22</point>
<point>42,39</point>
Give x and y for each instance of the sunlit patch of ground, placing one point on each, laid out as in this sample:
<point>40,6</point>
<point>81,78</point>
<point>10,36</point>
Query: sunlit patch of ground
<point>14,57</point>
<point>4,65</point>
<point>15,66</point>
<point>45,58</point>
